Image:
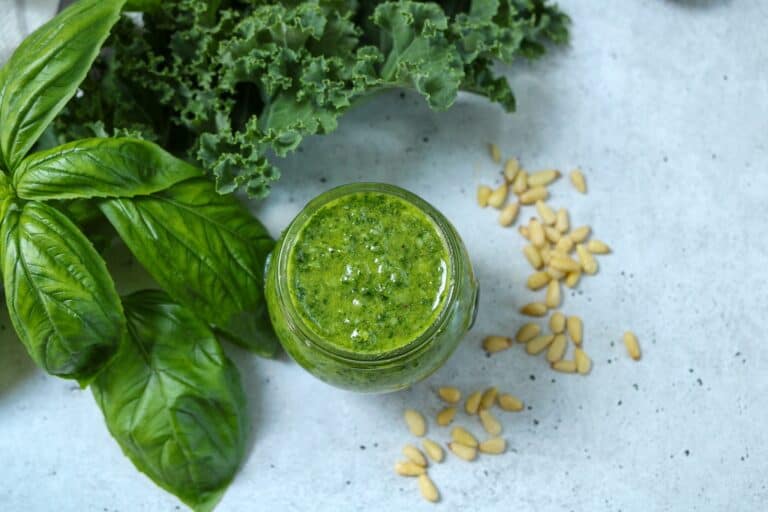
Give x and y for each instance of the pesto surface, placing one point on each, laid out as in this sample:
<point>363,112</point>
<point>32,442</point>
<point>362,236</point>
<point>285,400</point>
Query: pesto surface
<point>369,272</point>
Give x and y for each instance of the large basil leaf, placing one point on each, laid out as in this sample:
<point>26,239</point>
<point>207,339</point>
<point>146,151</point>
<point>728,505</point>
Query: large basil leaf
<point>45,71</point>
<point>173,401</point>
<point>207,251</point>
<point>86,168</point>
<point>61,299</point>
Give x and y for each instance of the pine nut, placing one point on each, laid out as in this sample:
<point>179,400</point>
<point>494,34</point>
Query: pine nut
<point>534,309</point>
<point>552,234</point>
<point>524,232</point>
<point>483,194</point>
<point>564,245</point>
<point>414,455</point>
<point>416,423</point>
<point>565,263</point>
<point>557,322</point>
<point>462,436</point>
<point>493,149</point>
<point>588,262</point>
<point>467,453</point>
<point>445,416</point>
<point>556,349</point>
<point>553,294</point>
<point>511,168</point>
<point>545,254</point>
<point>434,451</point>
<point>510,403</point>
<point>534,194</point>
<point>537,233</point>
<point>598,247</point>
<point>539,343</point>
<point>583,362</point>
<point>564,366</point>
<point>449,394</point>
<point>488,398</point>
<point>572,279</point>
<point>543,178</point>
<point>493,446</point>
<point>546,214</point>
<point>527,332</point>
<point>520,185</point>
<point>562,222</point>
<point>533,256</point>
<point>428,489</point>
<point>409,468</point>
<point>508,215</point>
<point>538,280</point>
<point>580,234</point>
<point>575,329</point>
<point>579,183</point>
<point>499,196</point>
<point>632,345</point>
<point>493,344</point>
<point>490,423</point>
<point>555,273</point>
<point>473,402</point>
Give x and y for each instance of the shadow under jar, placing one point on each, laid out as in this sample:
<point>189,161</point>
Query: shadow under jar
<point>370,288</point>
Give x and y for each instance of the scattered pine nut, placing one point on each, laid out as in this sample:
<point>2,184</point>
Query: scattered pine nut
<point>579,183</point>
<point>546,213</point>
<point>537,233</point>
<point>564,366</point>
<point>598,247</point>
<point>580,234</point>
<point>409,468</point>
<point>534,309</point>
<point>534,194</point>
<point>543,178</point>
<point>527,332</point>
<point>552,299</point>
<point>499,196</point>
<point>562,222</point>
<point>557,348</point>
<point>473,402</point>
<point>552,234</point>
<point>588,262</point>
<point>546,254</point>
<point>564,245</point>
<point>445,416</point>
<point>508,215</point>
<point>416,423</point>
<point>493,446</point>
<point>428,489</point>
<point>555,273</point>
<point>511,168</point>
<point>462,451</point>
<point>520,185</point>
<point>564,263</point>
<point>414,455</point>
<point>449,394</point>
<point>434,451</point>
<point>493,149</point>
<point>632,345</point>
<point>462,436</point>
<point>572,279</point>
<point>493,344</point>
<point>510,403</point>
<point>538,280</point>
<point>583,362</point>
<point>490,423</point>
<point>483,194</point>
<point>532,255</point>
<point>557,323</point>
<point>524,232</point>
<point>488,398</point>
<point>539,343</point>
<point>575,329</point>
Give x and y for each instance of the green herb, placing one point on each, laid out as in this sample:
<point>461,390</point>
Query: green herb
<point>227,83</point>
<point>169,395</point>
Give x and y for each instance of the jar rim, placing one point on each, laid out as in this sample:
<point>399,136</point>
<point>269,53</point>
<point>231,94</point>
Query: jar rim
<point>297,322</point>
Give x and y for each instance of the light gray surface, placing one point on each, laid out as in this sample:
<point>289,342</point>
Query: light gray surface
<point>665,106</point>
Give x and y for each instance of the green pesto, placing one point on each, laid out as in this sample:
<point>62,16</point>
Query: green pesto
<point>369,272</point>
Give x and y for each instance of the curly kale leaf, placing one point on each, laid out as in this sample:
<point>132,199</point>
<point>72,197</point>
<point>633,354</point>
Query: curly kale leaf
<point>231,83</point>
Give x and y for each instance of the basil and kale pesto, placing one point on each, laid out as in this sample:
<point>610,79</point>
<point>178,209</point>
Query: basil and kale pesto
<point>369,272</point>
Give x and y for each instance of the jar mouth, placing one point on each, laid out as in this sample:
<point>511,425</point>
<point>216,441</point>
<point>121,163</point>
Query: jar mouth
<point>299,325</point>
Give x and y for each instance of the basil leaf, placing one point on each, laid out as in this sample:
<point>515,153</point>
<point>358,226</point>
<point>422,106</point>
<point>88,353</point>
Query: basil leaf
<point>173,401</point>
<point>121,167</point>
<point>61,299</point>
<point>207,251</point>
<point>45,71</point>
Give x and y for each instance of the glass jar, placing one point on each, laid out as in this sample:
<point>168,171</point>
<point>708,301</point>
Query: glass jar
<point>384,371</point>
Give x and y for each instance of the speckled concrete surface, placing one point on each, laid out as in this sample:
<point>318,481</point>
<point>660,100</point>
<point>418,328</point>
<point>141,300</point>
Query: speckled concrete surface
<point>665,106</point>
